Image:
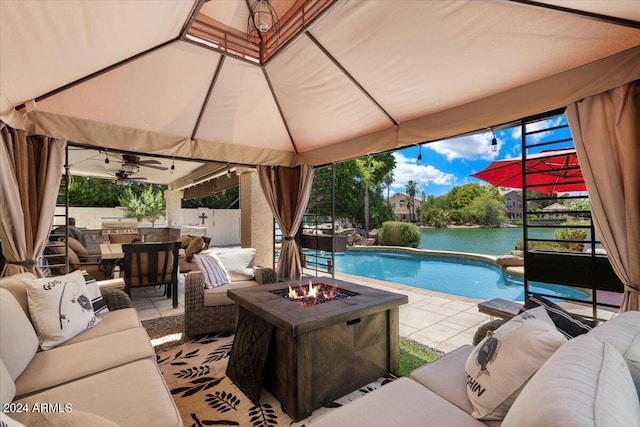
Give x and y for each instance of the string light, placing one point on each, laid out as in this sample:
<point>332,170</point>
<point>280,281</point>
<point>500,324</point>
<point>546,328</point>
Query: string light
<point>106,159</point>
<point>419,161</point>
<point>494,141</point>
<point>228,170</point>
<point>172,169</point>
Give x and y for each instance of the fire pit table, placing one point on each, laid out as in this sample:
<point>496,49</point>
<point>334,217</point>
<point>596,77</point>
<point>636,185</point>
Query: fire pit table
<point>309,354</point>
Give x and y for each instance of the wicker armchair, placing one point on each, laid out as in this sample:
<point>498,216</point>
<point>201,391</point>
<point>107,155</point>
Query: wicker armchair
<point>200,319</point>
<point>116,299</point>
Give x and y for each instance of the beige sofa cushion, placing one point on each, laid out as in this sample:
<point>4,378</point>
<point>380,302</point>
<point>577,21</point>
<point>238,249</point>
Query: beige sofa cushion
<point>7,386</point>
<point>218,295</point>
<point>68,419</point>
<point>82,359</point>
<point>446,377</point>
<point>130,395</point>
<point>110,322</point>
<point>402,402</point>
<point>18,339</point>
<point>585,383</point>
<point>15,285</point>
<point>623,332</point>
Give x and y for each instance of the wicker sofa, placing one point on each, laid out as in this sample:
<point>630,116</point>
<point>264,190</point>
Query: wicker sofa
<point>106,375</point>
<point>210,310</point>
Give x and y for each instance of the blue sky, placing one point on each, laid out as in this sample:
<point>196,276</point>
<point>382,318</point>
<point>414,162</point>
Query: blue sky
<point>451,162</point>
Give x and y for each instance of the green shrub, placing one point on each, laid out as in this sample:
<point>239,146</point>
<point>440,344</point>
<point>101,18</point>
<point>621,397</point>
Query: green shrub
<point>572,234</point>
<point>393,233</point>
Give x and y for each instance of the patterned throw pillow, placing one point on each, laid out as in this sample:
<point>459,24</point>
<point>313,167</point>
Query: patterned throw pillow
<point>568,324</point>
<point>212,269</point>
<point>97,301</point>
<point>60,308</point>
<point>502,363</point>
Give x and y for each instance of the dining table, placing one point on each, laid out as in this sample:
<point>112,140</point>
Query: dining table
<point>111,254</point>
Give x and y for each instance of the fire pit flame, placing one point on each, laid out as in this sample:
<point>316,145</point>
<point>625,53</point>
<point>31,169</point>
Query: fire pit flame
<point>311,294</point>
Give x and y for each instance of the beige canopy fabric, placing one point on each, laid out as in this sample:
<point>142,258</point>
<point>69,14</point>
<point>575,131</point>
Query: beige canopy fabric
<point>287,191</point>
<point>362,77</point>
<point>606,131</point>
<point>31,171</point>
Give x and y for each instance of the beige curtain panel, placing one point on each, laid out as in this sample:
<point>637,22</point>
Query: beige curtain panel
<point>287,192</point>
<point>30,168</point>
<point>606,131</point>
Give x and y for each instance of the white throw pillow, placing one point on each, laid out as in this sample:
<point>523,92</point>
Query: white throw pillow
<point>239,263</point>
<point>585,383</point>
<point>501,365</point>
<point>60,308</point>
<point>623,332</point>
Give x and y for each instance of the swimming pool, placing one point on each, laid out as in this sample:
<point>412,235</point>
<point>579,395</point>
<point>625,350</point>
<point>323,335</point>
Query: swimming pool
<point>458,276</point>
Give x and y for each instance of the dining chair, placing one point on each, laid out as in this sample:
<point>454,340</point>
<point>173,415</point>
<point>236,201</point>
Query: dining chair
<point>152,264</point>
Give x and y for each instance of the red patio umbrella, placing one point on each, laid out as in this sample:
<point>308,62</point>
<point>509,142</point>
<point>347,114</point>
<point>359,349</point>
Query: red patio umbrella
<point>549,172</point>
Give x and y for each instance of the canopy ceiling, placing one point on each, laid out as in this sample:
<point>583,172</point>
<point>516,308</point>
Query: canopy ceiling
<point>178,78</point>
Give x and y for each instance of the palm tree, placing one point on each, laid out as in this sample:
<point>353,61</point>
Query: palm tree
<point>367,166</point>
<point>388,180</point>
<point>412,188</point>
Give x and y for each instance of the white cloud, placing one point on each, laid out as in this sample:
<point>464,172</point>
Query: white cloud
<point>407,169</point>
<point>470,147</point>
<point>544,124</point>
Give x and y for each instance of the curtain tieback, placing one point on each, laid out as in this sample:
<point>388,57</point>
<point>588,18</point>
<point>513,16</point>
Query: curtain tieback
<point>289,238</point>
<point>27,263</point>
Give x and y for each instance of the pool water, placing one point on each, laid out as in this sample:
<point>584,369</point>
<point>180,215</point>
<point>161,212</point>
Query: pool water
<point>457,276</point>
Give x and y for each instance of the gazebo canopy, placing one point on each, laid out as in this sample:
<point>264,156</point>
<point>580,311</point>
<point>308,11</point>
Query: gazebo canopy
<point>342,79</point>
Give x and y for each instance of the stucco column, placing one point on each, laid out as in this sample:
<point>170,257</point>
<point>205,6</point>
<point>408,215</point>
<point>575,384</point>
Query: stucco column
<point>173,200</point>
<point>256,220</point>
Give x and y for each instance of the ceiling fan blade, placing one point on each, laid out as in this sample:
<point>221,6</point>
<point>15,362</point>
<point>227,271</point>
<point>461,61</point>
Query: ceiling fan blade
<point>150,162</point>
<point>160,168</point>
<point>137,178</point>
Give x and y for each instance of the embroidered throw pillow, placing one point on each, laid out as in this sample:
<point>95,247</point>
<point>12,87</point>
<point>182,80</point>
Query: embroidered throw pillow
<point>212,269</point>
<point>501,364</point>
<point>60,308</point>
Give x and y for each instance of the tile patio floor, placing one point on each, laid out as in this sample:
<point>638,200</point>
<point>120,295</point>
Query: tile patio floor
<point>438,320</point>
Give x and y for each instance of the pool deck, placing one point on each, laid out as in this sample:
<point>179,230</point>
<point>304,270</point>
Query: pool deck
<point>438,320</point>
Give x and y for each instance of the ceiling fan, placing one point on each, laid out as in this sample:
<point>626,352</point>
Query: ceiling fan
<point>124,178</point>
<point>132,163</point>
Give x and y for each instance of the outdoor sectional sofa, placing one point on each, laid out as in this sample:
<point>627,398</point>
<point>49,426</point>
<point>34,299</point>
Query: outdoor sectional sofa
<point>591,380</point>
<point>105,376</point>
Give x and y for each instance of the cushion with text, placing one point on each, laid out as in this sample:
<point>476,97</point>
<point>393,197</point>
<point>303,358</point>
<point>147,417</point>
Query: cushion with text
<point>60,308</point>
<point>503,362</point>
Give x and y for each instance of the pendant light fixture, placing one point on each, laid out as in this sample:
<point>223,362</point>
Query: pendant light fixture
<point>263,20</point>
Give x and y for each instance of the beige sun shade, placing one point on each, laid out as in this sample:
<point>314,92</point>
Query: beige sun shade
<point>368,76</point>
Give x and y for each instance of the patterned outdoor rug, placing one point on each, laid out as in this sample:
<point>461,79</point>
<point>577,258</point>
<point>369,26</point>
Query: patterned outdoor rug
<point>195,374</point>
